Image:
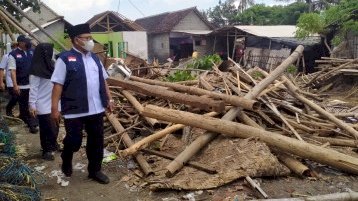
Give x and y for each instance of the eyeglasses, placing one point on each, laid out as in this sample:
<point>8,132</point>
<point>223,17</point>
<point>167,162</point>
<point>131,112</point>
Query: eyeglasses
<point>87,38</point>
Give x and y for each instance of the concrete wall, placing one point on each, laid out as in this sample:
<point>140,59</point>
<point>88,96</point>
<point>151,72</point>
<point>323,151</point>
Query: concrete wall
<point>41,18</point>
<point>137,43</point>
<point>191,22</point>
<point>158,46</point>
<point>56,30</point>
<point>106,38</point>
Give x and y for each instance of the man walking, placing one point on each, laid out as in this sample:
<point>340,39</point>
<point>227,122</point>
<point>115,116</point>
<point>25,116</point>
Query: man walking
<point>79,82</point>
<point>19,64</point>
<point>3,69</point>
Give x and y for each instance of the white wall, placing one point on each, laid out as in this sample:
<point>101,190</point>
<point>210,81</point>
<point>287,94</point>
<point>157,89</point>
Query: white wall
<point>137,43</point>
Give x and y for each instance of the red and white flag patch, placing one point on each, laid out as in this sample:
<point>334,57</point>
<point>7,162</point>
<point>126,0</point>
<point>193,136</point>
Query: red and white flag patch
<point>72,58</point>
<point>19,56</point>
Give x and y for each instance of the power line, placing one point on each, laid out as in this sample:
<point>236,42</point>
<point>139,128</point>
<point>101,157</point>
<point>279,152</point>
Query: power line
<point>136,8</point>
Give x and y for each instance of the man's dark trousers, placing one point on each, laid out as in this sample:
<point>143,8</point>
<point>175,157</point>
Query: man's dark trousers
<point>93,126</point>
<point>12,101</point>
<point>24,109</point>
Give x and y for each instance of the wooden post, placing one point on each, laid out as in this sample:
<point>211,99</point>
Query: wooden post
<point>232,129</point>
<point>204,139</point>
<point>128,142</point>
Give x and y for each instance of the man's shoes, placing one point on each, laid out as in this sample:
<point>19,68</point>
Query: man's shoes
<point>66,169</point>
<point>33,130</point>
<point>100,177</point>
<point>49,156</point>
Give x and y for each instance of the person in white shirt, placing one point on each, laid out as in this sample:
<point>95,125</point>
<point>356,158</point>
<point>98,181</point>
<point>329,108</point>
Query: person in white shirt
<point>80,82</point>
<point>19,63</point>
<point>40,98</point>
<point>13,99</point>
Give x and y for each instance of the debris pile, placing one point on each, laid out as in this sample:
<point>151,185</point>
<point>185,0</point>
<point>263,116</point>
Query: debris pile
<point>229,124</point>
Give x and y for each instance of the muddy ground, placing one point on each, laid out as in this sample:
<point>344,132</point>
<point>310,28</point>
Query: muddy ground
<point>121,172</point>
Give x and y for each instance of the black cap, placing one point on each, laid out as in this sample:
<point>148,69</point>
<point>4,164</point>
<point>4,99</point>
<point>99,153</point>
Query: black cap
<point>22,38</point>
<point>78,30</point>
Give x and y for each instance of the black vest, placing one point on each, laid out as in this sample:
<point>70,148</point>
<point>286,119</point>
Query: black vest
<point>23,64</point>
<point>74,93</point>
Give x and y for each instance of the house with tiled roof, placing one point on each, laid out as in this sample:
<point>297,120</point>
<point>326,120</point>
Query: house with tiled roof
<point>176,34</point>
<point>119,34</point>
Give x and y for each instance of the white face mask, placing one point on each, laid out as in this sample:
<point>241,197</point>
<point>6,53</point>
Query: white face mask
<point>88,45</point>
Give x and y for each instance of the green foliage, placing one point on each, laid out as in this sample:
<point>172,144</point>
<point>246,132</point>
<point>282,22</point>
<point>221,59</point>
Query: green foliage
<point>180,75</point>
<point>259,14</point>
<point>310,23</point>
<point>257,75</point>
<point>222,14</point>
<point>205,63</point>
<point>342,17</point>
<point>23,4</point>
<point>292,69</point>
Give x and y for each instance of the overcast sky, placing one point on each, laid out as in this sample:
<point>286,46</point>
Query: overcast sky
<point>79,11</point>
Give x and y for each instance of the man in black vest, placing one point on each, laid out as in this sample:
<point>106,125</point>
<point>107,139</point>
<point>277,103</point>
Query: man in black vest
<point>79,81</point>
<point>19,64</point>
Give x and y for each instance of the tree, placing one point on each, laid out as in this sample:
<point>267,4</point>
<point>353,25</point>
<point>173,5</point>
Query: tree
<point>272,15</point>
<point>338,20</point>
<point>222,14</point>
<point>316,5</point>
<point>242,4</point>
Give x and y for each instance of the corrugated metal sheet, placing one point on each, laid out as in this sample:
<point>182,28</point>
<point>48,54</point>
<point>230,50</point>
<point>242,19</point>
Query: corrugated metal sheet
<point>194,32</point>
<point>276,31</point>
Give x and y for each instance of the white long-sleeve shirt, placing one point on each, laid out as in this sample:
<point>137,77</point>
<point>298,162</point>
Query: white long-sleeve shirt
<point>40,94</point>
<point>11,65</point>
<point>3,65</point>
<point>92,76</point>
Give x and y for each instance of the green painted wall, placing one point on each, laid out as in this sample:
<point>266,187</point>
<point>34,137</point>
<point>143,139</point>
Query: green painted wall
<point>113,38</point>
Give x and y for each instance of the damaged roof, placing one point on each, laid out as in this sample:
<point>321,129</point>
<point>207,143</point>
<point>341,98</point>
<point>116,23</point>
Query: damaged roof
<point>165,22</point>
<point>117,22</point>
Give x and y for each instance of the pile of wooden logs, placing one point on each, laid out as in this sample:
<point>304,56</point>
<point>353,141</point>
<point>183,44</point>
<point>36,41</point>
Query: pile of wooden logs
<point>271,107</point>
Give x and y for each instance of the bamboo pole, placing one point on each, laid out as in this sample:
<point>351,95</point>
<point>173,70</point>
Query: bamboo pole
<point>128,142</point>
<point>294,92</point>
<point>141,144</point>
<point>337,142</point>
<point>37,25</point>
<point>136,104</point>
<point>293,164</point>
<point>159,91</point>
<point>191,164</point>
<point>7,28</point>
<point>232,129</point>
<point>233,100</point>
<point>10,19</point>
<point>204,139</point>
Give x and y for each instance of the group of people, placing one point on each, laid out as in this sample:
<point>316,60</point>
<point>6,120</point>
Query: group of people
<point>73,87</point>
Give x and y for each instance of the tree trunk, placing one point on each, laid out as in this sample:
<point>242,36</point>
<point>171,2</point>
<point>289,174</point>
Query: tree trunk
<point>232,129</point>
<point>7,29</point>
<point>157,91</point>
<point>233,100</point>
